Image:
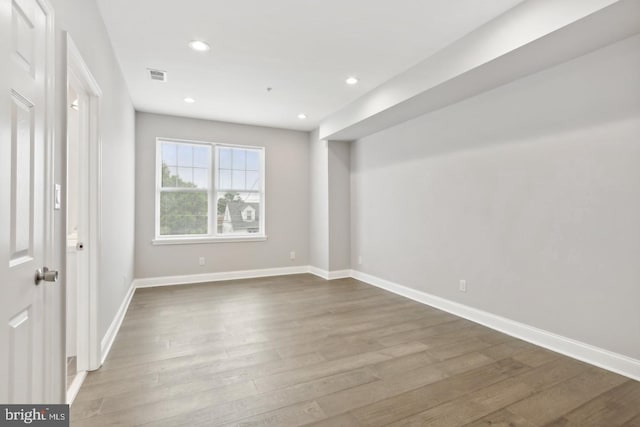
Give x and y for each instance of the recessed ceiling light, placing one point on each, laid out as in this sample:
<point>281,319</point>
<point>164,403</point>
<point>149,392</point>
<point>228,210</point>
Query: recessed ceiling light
<point>199,45</point>
<point>352,80</point>
<point>302,116</point>
<point>189,100</point>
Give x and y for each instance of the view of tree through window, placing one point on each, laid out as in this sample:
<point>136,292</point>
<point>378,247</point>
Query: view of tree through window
<point>182,212</point>
<point>185,196</point>
<point>184,189</point>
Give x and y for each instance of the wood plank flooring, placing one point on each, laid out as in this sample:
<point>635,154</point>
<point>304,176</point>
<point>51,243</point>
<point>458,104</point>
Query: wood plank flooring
<point>297,350</point>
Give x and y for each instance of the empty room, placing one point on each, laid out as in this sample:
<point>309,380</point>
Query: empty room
<point>323,213</point>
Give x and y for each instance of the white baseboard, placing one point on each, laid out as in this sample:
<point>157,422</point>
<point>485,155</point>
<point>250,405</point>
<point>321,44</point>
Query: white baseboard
<point>602,358</point>
<point>329,275</point>
<point>605,359</point>
<point>216,277</point>
<point>324,274</point>
<point>110,335</point>
<point>339,274</point>
<point>74,388</point>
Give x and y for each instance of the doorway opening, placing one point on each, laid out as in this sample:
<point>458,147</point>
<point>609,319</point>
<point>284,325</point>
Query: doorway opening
<point>82,221</point>
<point>76,219</point>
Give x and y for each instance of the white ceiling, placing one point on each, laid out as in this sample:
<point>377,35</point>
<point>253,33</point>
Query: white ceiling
<point>303,49</point>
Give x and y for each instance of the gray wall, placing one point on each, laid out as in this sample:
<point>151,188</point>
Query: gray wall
<point>319,206</point>
<point>339,202</point>
<point>329,215</point>
<point>287,199</point>
<point>530,192</point>
<point>84,23</point>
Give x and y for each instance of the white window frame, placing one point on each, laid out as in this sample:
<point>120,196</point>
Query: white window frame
<point>212,205</point>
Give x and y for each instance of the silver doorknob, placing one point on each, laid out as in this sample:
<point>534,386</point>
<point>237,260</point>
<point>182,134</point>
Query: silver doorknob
<point>45,274</point>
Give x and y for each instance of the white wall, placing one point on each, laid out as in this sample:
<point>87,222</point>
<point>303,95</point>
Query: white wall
<point>287,199</point>
<point>530,192</point>
<point>82,19</point>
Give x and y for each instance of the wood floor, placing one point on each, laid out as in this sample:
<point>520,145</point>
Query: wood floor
<point>298,350</point>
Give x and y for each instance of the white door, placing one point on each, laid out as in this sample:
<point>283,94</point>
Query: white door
<point>24,33</point>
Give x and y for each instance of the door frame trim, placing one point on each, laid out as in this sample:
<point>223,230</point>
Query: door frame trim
<point>53,384</point>
<point>88,340</point>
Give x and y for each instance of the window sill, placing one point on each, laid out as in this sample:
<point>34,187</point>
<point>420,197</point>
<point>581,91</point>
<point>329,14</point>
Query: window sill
<point>199,240</point>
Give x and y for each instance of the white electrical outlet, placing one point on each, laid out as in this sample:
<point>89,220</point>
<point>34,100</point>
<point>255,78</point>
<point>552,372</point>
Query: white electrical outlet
<point>292,255</point>
<point>463,286</point>
<point>201,260</point>
<point>359,259</point>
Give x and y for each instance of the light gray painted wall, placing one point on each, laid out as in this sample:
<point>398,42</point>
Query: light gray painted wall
<point>319,206</point>
<point>530,192</point>
<point>339,201</point>
<point>84,23</point>
<point>287,199</point>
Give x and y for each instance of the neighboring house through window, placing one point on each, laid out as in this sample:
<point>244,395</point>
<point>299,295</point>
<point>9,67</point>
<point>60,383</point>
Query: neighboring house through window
<point>241,216</point>
<point>208,191</point>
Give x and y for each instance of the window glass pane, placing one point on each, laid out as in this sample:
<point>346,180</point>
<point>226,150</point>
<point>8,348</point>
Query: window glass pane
<point>201,156</point>
<point>169,175</point>
<point>253,160</point>
<point>238,213</point>
<point>238,184</point>
<point>239,158</point>
<point>169,154</point>
<point>185,155</point>
<point>224,160</point>
<point>185,177</point>
<point>253,180</point>
<point>201,178</point>
<point>224,180</point>
<point>183,213</point>
<point>238,180</point>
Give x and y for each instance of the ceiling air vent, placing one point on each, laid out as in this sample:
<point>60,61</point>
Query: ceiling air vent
<point>158,75</point>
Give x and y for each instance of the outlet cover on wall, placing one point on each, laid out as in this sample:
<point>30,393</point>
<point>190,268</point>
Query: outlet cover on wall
<point>201,260</point>
<point>359,259</point>
<point>463,286</point>
<point>292,255</point>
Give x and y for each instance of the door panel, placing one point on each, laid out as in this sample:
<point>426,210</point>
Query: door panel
<point>22,140</point>
<point>23,37</point>
<point>20,342</point>
<point>23,50</point>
